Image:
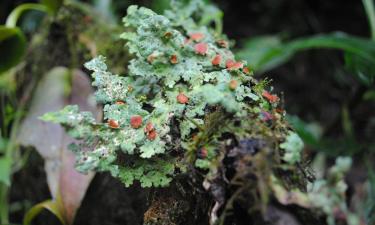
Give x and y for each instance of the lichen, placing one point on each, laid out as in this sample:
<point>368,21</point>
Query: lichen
<point>181,72</point>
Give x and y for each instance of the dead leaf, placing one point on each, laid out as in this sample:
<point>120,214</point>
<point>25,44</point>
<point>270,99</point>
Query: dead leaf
<point>289,197</point>
<point>51,141</point>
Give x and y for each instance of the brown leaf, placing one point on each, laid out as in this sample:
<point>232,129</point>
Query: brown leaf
<point>289,197</point>
<point>50,139</point>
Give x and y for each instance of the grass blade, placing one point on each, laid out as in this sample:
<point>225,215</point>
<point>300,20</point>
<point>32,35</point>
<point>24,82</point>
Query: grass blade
<point>268,52</point>
<point>370,11</point>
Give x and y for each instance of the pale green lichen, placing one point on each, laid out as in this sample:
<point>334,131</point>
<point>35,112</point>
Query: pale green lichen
<point>329,194</point>
<point>168,63</point>
<point>293,147</point>
<point>325,194</point>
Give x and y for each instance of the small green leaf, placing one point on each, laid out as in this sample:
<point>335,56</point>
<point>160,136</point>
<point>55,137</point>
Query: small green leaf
<point>346,122</point>
<point>19,10</point>
<point>293,146</point>
<point>309,132</point>
<point>3,144</point>
<point>212,14</point>
<point>369,95</point>
<point>265,53</point>
<point>362,68</point>
<point>370,11</point>
<point>12,47</point>
<point>160,5</point>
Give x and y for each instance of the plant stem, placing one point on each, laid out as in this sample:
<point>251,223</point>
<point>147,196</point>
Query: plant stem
<point>4,219</point>
<point>370,11</point>
<point>9,152</point>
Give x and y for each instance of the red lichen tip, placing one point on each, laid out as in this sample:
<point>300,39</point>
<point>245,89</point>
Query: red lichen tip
<point>229,63</point>
<point>233,84</point>
<point>238,65</point>
<point>113,123</point>
<point>271,98</point>
<point>173,59</point>
<point>280,110</point>
<point>222,43</point>
<point>197,36</point>
<point>202,153</point>
<point>182,99</point>
<point>149,127</point>
<point>168,34</point>
<point>150,131</point>
<point>216,60</point>
<point>152,135</point>
<point>120,102</point>
<point>246,70</point>
<point>201,48</point>
<point>136,121</point>
<point>233,65</point>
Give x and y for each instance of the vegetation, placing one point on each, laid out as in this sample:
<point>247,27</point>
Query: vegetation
<point>188,124</point>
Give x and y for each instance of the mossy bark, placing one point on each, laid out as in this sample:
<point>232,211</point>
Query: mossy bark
<point>238,189</point>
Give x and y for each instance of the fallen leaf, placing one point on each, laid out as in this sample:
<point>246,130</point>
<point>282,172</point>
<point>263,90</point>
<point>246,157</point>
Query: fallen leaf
<point>289,197</point>
<point>51,141</point>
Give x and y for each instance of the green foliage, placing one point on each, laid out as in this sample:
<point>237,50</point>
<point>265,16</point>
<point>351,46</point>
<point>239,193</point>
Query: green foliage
<point>329,194</point>
<point>16,13</point>
<point>12,39</point>
<point>13,43</point>
<point>268,52</point>
<point>370,11</point>
<point>309,132</point>
<point>5,170</point>
<point>51,142</point>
